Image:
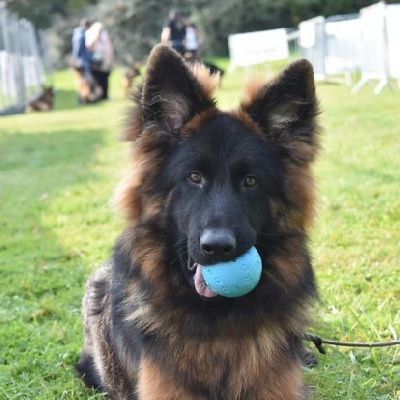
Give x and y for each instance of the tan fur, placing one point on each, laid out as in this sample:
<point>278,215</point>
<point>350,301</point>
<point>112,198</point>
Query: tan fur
<point>300,189</point>
<point>155,385</point>
<point>129,77</point>
<point>246,119</point>
<point>252,88</point>
<point>146,163</point>
<point>190,126</point>
<point>246,374</point>
<point>246,360</point>
<point>208,82</point>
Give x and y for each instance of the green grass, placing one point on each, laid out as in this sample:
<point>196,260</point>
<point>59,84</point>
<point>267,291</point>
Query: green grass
<point>57,173</point>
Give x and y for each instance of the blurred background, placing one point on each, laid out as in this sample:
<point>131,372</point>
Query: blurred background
<point>355,39</point>
<point>137,23</point>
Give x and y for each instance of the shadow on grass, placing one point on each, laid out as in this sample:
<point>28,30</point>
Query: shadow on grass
<point>381,176</point>
<point>68,100</point>
<point>42,283</point>
<point>27,155</point>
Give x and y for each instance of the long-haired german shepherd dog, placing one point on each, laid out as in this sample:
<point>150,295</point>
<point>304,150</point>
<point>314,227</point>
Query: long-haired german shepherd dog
<point>205,186</point>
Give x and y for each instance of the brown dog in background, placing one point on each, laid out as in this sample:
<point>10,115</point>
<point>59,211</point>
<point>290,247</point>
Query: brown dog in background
<point>129,77</point>
<point>89,91</point>
<point>44,101</point>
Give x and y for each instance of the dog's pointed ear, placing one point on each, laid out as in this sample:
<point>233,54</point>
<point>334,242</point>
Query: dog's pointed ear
<point>286,108</point>
<point>171,93</point>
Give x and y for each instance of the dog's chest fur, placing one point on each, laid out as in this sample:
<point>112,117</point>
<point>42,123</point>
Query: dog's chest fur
<point>163,364</point>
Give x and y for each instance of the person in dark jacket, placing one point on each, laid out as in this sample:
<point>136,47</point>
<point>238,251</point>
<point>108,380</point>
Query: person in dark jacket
<point>174,32</point>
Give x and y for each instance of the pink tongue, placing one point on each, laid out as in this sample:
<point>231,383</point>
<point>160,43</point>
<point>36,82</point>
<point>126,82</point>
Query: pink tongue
<point>200,285</point>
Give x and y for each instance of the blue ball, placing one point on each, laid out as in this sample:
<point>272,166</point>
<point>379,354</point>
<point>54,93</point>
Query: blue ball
<point>234,278</point>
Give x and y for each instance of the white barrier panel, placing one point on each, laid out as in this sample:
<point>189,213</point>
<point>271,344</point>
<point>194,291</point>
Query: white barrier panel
<point>21,67</point>
<point>373,54</point>
<point>343,42</point>
<point>312,44</point>
<point>256,47</point>
<point>307,32</point>
<point>333,47</point>
<point>393,39</point>
<point>7,75</point>
<point>381,44</point>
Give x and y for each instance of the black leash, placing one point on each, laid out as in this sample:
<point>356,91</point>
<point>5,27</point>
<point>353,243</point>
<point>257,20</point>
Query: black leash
<point>319,342</point>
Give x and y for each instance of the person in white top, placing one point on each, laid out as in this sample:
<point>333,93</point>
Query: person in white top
<point>192,41</point>
<point>99,43</point>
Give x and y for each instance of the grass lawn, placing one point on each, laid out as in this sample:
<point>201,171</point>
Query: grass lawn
<point>57,173</point>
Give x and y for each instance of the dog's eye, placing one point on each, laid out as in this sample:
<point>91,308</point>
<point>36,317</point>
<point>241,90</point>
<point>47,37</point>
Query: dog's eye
<point>250,181</point>
<point>195,177</point>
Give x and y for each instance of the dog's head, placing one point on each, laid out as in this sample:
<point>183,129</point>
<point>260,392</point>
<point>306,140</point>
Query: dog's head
<point>220,181</point>
<point>48,91</point>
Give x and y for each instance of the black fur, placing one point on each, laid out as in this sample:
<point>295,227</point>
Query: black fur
<point>87,371</point>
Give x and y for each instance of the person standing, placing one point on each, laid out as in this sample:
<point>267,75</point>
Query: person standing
<point>192,42</point>
<point>99,44</point>
<point>174,32</point>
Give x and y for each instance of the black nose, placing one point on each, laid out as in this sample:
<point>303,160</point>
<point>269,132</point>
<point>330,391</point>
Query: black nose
<point>220,242</point>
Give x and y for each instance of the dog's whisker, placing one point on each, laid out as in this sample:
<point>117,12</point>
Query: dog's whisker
<point>190,266</point>
<point>181,251</point>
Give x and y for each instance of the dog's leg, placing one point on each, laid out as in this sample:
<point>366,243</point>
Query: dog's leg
<point>308,357</point>
<point>93,310</point>
<point>285,383</point>
<point>87,371</point>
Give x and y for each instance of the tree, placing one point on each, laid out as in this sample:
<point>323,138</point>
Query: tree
<point>135,25</point>
<point>42,12</point>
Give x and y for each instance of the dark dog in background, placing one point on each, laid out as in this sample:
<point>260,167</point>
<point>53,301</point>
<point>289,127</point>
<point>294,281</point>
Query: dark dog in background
<point>245,175</point>
<point>89,91</point>
<point>129,77</point>
<point>213,68</point>
<point>44,101</point>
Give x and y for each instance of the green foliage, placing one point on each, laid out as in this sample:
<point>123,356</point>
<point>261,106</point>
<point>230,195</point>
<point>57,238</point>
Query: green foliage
<point>135,25</point>
<point>57,173</point>
<point>42,12</point>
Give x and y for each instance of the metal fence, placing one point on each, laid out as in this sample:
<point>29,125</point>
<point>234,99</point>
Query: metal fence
<point>365,44</point>
<point>342,48</point>
<point>22,71</point>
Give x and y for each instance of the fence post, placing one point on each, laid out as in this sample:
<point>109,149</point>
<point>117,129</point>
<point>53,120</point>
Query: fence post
<point>375,63</point>
<point>21,66</point>
<point>34,52</point>
<point>19,59</point>
<point>313,44</point>
<point>4,56</point>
